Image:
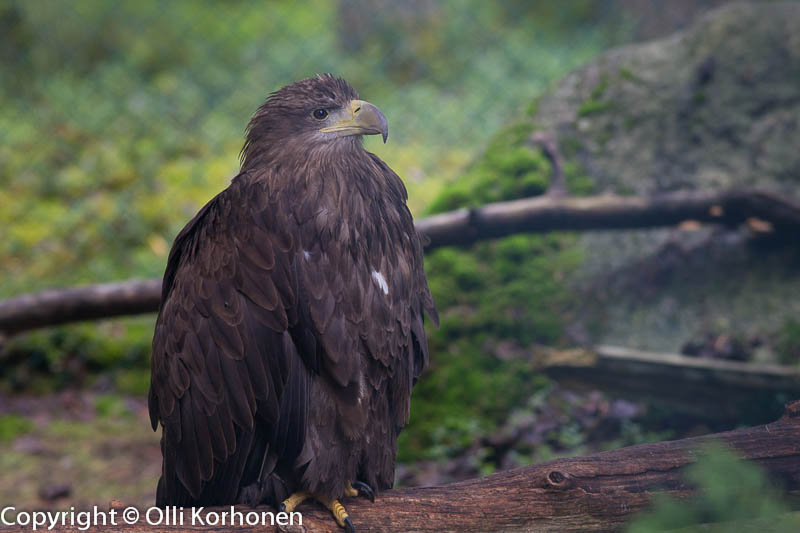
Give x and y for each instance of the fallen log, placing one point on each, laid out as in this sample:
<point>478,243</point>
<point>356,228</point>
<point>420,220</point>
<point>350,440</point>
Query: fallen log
<point>763,211</point>
<point>709,389</point>
<point>598,492</point>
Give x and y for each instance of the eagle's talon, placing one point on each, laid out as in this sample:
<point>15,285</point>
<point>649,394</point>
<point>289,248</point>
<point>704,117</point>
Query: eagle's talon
<point>338,511</point>
<point>348,525</point>
<point>290,504</point>
<point>364,490</point>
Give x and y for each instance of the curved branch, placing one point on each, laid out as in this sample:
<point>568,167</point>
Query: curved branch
<point>597,492</point>
<point>766,212</point>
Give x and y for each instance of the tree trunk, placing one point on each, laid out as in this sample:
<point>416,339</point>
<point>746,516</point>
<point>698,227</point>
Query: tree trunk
<point>598,492</point>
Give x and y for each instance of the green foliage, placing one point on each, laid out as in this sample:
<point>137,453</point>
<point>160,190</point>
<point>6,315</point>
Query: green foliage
<point>595,103</point>
<point>119,120</point>
<point>463,396</point>
<point>111,406</point>
<point>788,345</point>
<point>135,382</point>
<point>69,355</point>
<point>13,426</point>
<point>505,291</point>
<point>594,107</point>
<point>729,491</point>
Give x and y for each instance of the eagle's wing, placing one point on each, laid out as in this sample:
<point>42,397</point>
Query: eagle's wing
<point>229,349</point>
<point>257,298</point>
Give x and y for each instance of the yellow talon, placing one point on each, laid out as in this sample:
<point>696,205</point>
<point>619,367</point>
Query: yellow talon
<point>350,491</point>
<point>291,503</point>
<point>338,511</point>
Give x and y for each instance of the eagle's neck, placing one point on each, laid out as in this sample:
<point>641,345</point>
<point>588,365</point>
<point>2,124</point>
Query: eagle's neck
<point>340,191</point>
<point>296,152</point>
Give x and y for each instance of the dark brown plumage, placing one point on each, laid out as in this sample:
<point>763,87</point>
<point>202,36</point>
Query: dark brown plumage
<point>290,331</point>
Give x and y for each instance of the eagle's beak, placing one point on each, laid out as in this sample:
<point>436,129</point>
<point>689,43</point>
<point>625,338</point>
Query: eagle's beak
<point>362,118</point>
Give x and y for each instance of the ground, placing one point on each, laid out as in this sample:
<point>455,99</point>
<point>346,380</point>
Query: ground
<point>76,448</point>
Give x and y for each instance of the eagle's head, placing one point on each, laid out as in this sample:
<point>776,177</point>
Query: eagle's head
<point>323,111</point>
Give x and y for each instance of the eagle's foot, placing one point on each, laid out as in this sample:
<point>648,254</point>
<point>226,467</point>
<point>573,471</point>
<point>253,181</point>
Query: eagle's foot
<point>290,504</point>
<point>359,488</point>
<point>340,514</point>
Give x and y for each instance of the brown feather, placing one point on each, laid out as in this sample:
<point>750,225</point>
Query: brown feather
<point>291,326</point>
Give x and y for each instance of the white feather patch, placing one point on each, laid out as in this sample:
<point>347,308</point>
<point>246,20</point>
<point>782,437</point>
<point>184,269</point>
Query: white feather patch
<point>381,281</point>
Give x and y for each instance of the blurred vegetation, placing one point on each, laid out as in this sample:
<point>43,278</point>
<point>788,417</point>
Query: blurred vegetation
<point>94,446</point>
<point>12,426</point>
<point>729,491</point>
<point>789,342</point>
<point>506,293</point>
<point>118,121</point>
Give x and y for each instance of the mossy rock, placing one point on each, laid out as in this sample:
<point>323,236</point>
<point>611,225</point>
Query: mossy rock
<point>715,106</point>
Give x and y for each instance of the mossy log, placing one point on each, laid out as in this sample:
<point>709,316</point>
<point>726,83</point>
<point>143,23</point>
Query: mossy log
<point>708,389</point>
<point>762,210</point>
<point>598,492</point>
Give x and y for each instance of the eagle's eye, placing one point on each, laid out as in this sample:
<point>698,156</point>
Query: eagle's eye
<point>320,114</point>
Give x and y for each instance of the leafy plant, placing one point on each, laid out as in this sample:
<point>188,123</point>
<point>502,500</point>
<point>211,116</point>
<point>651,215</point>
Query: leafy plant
<point>728,491</point>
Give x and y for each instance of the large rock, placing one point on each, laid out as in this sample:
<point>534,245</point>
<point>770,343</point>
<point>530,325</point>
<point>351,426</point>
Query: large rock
<point>715,106</point>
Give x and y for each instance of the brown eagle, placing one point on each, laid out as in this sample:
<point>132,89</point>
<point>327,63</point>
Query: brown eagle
<point>290,331</point>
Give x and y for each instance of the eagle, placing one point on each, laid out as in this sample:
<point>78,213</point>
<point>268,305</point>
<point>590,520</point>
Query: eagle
<point>291,325</point>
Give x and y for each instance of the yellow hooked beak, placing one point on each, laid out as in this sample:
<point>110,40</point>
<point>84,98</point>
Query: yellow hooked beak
<point>359,118</point>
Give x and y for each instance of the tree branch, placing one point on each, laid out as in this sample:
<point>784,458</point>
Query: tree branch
<point>764,211</point>
<point>597,492</point>
<point>546,213</point>
<point>60,306</point>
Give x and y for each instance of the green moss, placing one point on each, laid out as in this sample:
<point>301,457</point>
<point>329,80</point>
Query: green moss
<point>134,382</point>
<point>788,345</point>
<point>13,426</point>
<point>570,147</point>
<point>594,107</point>
<point>578,182</point>
<point>596,103</point>
<point>509,290</point>
<point>600,88</point>
<point>66,356</point>
<point>465,394</point>
<point>112,406</point>
<point>700,97</point>
<point>627,74</point>
<point>509,168</point>
<point>532,108</point>
<point>625,190</point>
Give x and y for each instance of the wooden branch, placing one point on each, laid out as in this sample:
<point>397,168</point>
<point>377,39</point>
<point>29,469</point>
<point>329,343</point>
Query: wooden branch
<point>710,389</point>
<point>549,146</point>
<point>546,213</point>
<point>598,492</point>
<point>764,210</point>
<point>59,306</point>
